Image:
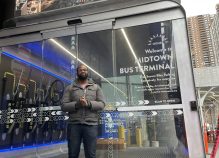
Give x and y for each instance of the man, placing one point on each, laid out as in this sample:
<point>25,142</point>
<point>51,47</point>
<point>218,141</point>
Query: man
<point>82,100</point>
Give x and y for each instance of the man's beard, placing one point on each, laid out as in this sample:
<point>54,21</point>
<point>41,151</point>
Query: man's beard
<point>84,77</point>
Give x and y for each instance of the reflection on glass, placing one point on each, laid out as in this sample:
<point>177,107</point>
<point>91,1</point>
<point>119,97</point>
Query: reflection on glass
<point>85,63</point>
<point>136,68</point>
<point>135,57</point>
<point>154,134</point>
<point>31,85</point>
<point>95,49</point>
<point>31,54</point>
<point>142,65</point>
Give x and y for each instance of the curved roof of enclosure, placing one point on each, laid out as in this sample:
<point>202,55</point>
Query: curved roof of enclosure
<point>55,12</point>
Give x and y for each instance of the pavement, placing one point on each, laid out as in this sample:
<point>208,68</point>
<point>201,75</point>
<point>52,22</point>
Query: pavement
<point>60,151</point>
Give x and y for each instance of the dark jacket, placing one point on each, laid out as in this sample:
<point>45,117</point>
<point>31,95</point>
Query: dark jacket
<point>77,113</point>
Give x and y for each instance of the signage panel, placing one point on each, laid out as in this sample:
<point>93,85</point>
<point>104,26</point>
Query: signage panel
<point>146,55</point>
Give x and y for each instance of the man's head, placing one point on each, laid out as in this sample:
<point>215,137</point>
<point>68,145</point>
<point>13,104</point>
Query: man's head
<point>82,72</point>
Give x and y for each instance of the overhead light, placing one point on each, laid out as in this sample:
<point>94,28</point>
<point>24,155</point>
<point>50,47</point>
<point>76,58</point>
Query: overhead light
<point>136,59</point>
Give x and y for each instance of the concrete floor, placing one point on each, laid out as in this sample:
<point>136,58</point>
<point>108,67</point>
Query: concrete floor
<point>60,151</point>
<point>132,152</point>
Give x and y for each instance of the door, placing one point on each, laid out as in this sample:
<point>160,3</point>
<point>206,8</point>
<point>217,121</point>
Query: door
<point>138,61</point>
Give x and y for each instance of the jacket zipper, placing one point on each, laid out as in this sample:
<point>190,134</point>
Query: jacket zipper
<point>85,91</point>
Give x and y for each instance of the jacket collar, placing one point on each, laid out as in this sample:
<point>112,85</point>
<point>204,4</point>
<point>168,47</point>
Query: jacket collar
<point>90,82</point>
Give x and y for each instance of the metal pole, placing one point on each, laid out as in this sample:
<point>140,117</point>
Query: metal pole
<point>201,104</point>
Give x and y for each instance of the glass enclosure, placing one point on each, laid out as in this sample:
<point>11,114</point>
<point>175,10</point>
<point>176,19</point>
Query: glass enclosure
<point>135,66</point>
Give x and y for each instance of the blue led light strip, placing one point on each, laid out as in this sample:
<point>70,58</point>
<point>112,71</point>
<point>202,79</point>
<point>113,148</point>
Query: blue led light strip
<point>36,66</point>
<point>46,71</point>
<point>31,147</point>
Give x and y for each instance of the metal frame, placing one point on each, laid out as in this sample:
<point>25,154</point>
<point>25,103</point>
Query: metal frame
<point>192,120</point>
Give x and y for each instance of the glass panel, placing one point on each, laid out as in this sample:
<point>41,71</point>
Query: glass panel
<point>154,134</point>
<point>32,85</point>
<point>27,7</point>
<point>59,57</point>
<point>110,56</point>
<point>146,64</point>
<point>95,50</point>
<point>113,58</point>
<point>20,73</point>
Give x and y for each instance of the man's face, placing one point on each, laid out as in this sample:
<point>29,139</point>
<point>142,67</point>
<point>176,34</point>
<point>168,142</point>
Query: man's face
<point>82,72</point>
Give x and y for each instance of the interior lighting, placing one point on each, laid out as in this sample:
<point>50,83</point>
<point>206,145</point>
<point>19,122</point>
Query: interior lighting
<point>82,62</point>
<point>36,66</point>
<point>136,59</point>
<point>32,147</point>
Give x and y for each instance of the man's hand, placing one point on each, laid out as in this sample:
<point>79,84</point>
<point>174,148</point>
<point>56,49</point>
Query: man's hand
<point>83,101</point>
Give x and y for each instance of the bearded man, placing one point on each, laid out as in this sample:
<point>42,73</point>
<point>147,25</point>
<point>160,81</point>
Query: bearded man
<point>83,100</point>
